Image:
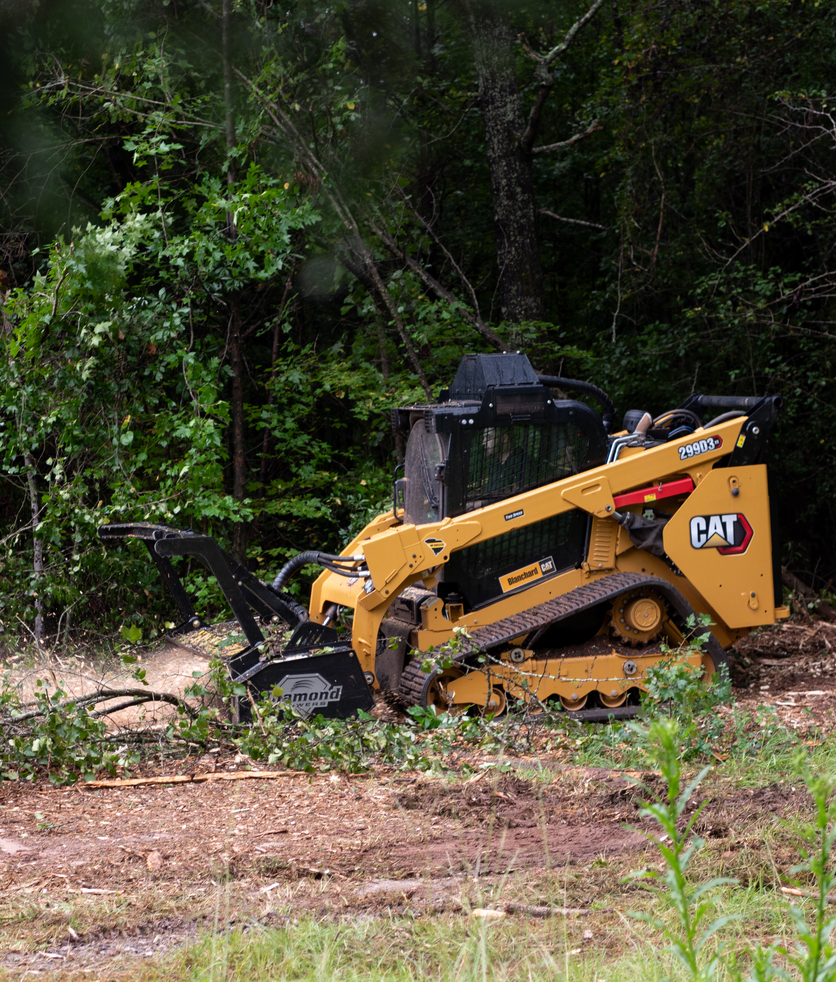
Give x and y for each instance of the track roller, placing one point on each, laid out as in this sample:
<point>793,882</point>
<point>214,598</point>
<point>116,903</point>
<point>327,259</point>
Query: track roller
<point>496,703</point>
<point>613,701</point>
<point>573,705</point>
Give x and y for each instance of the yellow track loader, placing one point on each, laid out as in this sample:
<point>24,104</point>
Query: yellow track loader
<point>560,559</point>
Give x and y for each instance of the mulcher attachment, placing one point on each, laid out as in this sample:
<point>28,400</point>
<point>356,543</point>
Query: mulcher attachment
<point>315,670</point>
<point>318,673</point>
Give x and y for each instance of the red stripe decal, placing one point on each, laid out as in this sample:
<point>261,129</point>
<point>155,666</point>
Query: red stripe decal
<point>683,486</point>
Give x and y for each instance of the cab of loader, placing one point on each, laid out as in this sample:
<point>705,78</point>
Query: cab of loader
<point>499,431</point>
<point>496,432</point>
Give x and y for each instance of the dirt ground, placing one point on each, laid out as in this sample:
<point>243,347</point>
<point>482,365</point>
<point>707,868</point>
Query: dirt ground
<point>93,878</point>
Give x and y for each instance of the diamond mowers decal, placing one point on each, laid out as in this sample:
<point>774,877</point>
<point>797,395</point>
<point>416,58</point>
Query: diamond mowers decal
<point>310,692</point>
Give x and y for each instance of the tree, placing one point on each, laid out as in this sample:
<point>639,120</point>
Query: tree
<point>510,135</point>
<point>303,216</point>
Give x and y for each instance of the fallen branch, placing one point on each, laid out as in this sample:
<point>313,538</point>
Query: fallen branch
<point>133,782</point>
<point>602,772</point>
<point>103,695</point>
<point>795,892</point>
<point>823,609</point>
<point>537,911</point>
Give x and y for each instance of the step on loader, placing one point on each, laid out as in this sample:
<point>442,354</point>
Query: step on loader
<point>562,560</point>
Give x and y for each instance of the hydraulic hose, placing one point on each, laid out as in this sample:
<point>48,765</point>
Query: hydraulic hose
<point>292,565</point>
<point>575,385</point>
<point>320,559</point>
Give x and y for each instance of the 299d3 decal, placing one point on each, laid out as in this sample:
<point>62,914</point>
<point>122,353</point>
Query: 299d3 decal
<point>700,446</point>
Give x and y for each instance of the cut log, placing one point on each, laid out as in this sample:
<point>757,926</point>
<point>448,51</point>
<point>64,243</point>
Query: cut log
<point>823,608</point>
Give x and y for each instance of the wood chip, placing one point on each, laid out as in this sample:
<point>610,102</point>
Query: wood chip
<point>154,860</point>
<point>477,777</point>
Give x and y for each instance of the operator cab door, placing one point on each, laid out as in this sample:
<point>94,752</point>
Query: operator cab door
<point>426,454</point>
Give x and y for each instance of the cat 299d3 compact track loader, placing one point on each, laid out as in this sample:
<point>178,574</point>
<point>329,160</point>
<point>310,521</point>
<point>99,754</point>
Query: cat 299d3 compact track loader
<point>571,559</point>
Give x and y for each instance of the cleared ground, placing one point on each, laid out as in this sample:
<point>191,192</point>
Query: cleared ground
<point>94,879</point>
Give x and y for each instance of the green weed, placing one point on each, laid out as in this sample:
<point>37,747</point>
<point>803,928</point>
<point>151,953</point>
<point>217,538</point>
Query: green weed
<point>690,934</point>
<point>811,953</point>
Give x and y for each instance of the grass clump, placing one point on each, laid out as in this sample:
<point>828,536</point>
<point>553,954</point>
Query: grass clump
<point>449,948</point>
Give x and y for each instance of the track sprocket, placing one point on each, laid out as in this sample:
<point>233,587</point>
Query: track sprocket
<point>638,616</point>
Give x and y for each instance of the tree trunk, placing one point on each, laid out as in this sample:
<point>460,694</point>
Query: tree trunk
<point>239,447</point>
<point>511,167</point>
<point>274,357</point>
<point>37,545</point>
<point>236,347</point>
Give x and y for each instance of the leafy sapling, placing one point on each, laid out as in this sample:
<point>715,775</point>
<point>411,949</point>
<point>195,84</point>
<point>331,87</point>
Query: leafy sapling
<point>814,956</point>
<point>691,932</point>
<point>678,688</point>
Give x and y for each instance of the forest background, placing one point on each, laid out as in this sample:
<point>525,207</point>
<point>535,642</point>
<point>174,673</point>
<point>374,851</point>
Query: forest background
<point>234,233</point>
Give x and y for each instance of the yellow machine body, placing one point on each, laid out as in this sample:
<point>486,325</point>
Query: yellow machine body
<point>718,542</point>
<point>546,557</point>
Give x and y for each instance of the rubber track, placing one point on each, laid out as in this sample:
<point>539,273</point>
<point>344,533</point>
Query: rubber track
<point>495,635</point>
<point>412,682</point>
<point>484,639</point>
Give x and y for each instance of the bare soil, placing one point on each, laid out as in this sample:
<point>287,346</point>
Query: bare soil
<point>170,668</point>
<point>95,879</point>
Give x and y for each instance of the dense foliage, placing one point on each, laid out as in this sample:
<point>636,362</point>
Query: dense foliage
<point>233,235</point>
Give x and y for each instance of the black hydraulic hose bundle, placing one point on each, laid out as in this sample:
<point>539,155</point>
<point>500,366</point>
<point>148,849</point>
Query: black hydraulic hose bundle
<point>575,385</point>
<point>325,559</point>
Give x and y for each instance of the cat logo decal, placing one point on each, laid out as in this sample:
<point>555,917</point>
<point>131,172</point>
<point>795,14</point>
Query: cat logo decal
<point>729,534</point>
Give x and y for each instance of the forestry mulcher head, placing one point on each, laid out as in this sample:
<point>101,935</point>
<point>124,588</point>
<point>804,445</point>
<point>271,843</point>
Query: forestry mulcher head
<point>550,558</point>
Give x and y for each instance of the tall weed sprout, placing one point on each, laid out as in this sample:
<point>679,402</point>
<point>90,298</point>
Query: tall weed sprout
<point>812,957</point>
<point>690,933</point>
